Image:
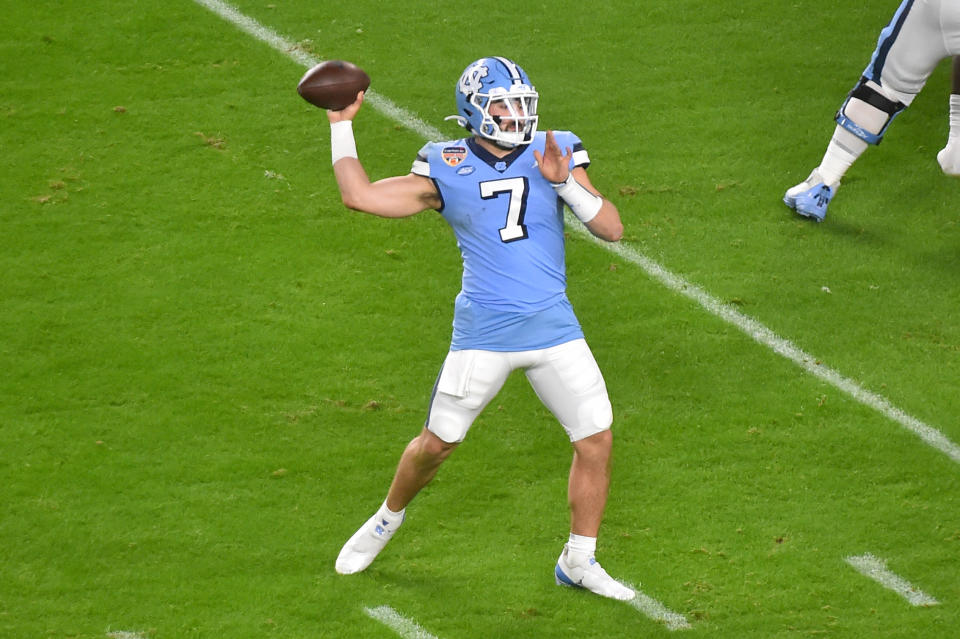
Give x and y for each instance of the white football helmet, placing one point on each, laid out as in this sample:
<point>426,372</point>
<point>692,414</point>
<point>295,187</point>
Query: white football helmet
<point>497,81</point>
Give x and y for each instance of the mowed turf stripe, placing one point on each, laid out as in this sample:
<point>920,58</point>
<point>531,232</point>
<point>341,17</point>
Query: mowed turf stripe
<point>398,623</point>
<point>751,327</point>
<point>876,569</point>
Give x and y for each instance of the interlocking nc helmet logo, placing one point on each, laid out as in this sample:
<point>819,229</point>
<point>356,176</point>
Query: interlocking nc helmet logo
<point>472,79</point>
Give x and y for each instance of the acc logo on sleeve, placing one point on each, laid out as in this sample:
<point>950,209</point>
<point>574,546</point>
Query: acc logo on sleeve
<point>453,155</point>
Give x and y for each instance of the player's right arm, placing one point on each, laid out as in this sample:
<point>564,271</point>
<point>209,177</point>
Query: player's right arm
<point>399,196</point>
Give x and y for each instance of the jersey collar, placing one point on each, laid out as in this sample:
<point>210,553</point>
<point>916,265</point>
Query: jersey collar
<point>497,163</point>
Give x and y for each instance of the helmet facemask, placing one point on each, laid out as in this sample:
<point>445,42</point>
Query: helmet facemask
<point>496,101</point>
<point>509,117</point>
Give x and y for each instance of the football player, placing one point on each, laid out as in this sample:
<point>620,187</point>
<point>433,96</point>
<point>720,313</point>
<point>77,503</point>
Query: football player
<point>502,189</point>
<point>920,35</point>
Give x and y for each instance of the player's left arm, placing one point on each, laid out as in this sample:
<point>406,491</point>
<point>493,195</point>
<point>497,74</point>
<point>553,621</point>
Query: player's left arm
<point>606,224</point>
<point>598,214</point>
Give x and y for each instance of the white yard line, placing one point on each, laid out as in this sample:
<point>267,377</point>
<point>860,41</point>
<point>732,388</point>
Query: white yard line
<point>657,611</point>
<point>398,623</point>
<point>751,327</point>
<point>385,106</point>
<point>777,344</point>
<point>876,569</point>
<point>258,31</point>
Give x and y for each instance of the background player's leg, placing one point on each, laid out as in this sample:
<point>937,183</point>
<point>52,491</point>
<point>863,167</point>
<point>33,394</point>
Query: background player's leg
<point>949,156</point>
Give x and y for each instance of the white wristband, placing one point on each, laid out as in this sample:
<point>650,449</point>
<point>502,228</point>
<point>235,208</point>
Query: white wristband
<point>342,144</point>
<point>584,204</point>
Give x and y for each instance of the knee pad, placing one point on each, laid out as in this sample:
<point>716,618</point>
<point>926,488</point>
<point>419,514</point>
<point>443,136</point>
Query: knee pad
<point>867,112</point>
<point>447,420</point>
<point>467,382</point>
<point>596,416</point>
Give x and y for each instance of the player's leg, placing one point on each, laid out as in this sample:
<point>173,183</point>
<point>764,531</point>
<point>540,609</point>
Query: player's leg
<point>569,382</point>
<point>908,50</point>
<point>467,383</point>
<point>949,156</point>
<point>861,121</point>
<point>419,463</point>
<point>589,483</point>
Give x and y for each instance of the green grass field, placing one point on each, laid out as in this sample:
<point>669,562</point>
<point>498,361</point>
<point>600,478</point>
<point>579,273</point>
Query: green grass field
<point>210,366</point>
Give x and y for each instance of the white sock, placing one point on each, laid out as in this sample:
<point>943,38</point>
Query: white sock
<point>954,117</point>
<point>583,547</point>
<point>842,152</point>
<point>392,518</point>
<point>949,155</point>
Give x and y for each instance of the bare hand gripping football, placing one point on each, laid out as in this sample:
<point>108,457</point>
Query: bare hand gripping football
<point>333,84</point>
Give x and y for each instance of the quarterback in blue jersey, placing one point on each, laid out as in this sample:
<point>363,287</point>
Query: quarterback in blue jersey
<point>502,189</point>
<point>920,35</point>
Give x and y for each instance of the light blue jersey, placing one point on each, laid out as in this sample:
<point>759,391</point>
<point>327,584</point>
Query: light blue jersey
<point>508,222</point>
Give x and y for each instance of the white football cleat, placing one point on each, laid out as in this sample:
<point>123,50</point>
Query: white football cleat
<point>949,158</point>
<point>590,575</point>
<point>361,549</point>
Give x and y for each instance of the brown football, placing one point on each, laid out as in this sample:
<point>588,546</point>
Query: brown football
<point>333,84</point>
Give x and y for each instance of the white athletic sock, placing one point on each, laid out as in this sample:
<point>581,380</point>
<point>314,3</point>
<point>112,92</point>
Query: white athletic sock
<point>949,156</point>
<point>582,548</point>
<point>954,116</point>
<point>842,152</point>
<point>392,518</point>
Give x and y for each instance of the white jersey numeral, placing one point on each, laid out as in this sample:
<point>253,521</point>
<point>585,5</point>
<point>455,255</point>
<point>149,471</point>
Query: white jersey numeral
<point>514,228</point>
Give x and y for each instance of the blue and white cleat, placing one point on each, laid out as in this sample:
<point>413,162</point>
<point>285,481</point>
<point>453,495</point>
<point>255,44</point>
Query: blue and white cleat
<point>590,575</point>
<point>811,197</point>
<point>365,544</point>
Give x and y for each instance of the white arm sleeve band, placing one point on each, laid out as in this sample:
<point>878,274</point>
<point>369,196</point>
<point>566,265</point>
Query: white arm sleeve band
<point>342,144</point>
<point>584,204</point>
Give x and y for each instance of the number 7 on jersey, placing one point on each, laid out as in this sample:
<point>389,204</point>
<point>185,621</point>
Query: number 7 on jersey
<point>514,228</point>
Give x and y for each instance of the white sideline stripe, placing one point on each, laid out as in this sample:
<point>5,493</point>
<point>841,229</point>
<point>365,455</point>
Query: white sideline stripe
<point>657,611</point>
<point>779,345</point>
<point>751,327</point>
<point>383,105</point>
<point>876,569</point>
<point>258,31</point>
<point>399,624</point>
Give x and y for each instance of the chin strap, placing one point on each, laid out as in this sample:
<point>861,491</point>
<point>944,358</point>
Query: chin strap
<point>459,119</point>
<point>462,121</point>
